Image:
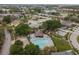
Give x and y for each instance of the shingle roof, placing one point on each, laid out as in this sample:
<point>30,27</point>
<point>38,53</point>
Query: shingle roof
<point>39,34</point>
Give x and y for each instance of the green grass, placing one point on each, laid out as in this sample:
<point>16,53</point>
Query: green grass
<point>78,39</point>
<point>57,35</point>
<point>61,45</point>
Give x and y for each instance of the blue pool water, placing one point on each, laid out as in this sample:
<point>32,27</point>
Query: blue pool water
<point>41,42</point>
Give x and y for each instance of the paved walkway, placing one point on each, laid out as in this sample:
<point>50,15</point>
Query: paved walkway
<point>7,43</point>
<point>73,39</point>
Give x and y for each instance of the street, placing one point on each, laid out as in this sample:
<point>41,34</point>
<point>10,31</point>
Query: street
<point>7,43</point>
<point>73,38</point>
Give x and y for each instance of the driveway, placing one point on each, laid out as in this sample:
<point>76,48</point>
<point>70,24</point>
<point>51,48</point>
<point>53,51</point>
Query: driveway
<point>73,38</point>
<point>7,43</point>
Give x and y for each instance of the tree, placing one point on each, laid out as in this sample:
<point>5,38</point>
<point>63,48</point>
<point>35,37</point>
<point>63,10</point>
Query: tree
<point>1,11</point>
<point>72,17</point>
<point>22,29</point>
<point>17,48</point>
<point>31,50</point>
<point>67,18</point>
<point>7,19</point>
<point>51,24</point>
<point>55,13</point>
<point>35,10</point>
<point>39,10</point>
<point>14,9</point>
<point>24,18</point>
<point>18,42</point>
<point>48,50</point>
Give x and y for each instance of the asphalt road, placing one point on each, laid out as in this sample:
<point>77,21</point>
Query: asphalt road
<point>73,38</point>
<point>7,43</point>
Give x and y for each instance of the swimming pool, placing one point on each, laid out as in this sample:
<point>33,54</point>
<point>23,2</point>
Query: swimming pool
<point>41,42</point>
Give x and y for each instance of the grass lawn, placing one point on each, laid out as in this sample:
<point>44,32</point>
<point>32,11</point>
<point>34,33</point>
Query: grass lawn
<point>78,39</point>
<point>57,35</point>
<point>61,45</point>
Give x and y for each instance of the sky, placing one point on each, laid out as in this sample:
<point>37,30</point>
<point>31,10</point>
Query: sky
<point>39,1</point>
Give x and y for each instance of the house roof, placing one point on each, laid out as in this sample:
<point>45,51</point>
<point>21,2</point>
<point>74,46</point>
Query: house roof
<point>39,33</point>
